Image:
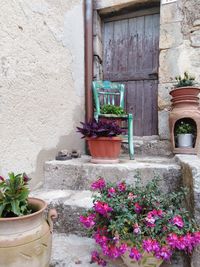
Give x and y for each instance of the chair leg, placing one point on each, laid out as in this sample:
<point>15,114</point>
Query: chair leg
<point>130,136</point>
<point>96,117</point>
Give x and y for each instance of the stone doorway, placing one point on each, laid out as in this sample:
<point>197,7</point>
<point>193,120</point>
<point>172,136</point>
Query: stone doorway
<point>126,49</point>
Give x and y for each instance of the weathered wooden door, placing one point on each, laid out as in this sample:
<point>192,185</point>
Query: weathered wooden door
<point>131,51</point>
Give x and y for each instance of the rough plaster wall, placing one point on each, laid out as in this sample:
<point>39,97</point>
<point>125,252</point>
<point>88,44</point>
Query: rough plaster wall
<point>179,51</point>
<point>41,82</point>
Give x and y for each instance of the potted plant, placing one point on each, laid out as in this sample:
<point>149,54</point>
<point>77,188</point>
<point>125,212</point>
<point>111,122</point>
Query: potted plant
<point>139,223</point>
<point>104,140</point>
<point>184,133</point>
<point>25,235</point>
<point>113,112</point>
<point>185,88</point>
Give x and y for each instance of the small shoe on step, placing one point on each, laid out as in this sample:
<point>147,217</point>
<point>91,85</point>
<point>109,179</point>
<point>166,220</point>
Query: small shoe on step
<point>63,155</point>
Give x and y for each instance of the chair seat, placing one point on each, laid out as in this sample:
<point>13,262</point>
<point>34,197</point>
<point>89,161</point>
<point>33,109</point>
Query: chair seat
<point>113,116</point>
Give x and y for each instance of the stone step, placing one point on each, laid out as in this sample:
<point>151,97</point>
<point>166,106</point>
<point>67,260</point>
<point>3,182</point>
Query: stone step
<point>73,251</point>
<point>78,174</point>
<point>70,205</point>
<point>149,146</point>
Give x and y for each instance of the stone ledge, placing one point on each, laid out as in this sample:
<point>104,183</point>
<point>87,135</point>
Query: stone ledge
<point>73,251</point>
<point>69,205</point>
<point>78,174</point>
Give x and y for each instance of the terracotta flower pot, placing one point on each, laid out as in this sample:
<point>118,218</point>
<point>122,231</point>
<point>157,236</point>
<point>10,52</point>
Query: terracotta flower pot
<point>105,149</point>
<point>185,91</point>
<point>185,96</point>
<point>146,261</point>
<point>26,240</point>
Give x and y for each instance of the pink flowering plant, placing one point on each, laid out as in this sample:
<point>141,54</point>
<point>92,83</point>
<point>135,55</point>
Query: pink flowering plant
<point>137,219</point>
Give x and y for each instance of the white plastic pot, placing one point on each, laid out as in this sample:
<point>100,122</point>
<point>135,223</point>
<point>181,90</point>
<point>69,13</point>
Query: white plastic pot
<point>185,140</point>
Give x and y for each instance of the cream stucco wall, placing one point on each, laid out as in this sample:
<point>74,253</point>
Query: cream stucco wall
<point>41,82</point>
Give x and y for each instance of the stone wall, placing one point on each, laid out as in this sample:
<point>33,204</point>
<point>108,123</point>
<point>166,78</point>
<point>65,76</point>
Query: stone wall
<point>191,179</point>
<point>179,51</point>
<point>41,82</point>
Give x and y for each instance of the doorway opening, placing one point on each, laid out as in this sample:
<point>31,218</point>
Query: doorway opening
<point>126,50</point>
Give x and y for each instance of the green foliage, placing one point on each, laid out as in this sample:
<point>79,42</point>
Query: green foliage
<point>112,109</point>
<point>186,80</point>
<point>184,128</point>
<point>14,196</point>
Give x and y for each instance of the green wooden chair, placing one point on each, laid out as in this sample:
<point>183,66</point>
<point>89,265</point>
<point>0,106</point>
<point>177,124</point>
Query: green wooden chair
<point>106,92</point>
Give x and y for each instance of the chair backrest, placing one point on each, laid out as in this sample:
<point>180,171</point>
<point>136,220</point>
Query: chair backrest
<point>106,92</point>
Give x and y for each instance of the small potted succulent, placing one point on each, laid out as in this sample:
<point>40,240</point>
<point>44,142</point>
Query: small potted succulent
<point>104,140</point>
<point>25,235</point>
<point>184,88</point>
<point>184,133</point>
<point>138,223</point>
<point>113,112</point>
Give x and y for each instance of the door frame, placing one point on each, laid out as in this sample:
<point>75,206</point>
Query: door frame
<point>89,41</point>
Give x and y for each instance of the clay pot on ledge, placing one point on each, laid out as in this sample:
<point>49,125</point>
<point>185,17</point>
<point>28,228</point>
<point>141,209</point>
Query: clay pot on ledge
<point>27,240</point>
<point>185,96</point>
<point>105,149</point>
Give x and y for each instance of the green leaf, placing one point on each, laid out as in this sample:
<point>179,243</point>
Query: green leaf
<point>15,207</point>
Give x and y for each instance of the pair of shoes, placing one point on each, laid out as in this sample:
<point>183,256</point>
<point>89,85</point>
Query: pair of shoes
<point>76,153</point>
<point>63,155</point>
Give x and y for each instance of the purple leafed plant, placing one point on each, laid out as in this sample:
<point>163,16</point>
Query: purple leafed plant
<point>99,129</point>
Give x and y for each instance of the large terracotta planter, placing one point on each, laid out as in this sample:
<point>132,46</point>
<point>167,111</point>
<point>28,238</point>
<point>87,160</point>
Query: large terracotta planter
<point>26,241</point>
<point>105,149</point>
<point>147,260</point>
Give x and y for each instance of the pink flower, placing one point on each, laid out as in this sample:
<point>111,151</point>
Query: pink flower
<point>196,238</point>
<point>136,229</point>
<point>137,208</point>
<point>95,258</point>
<point>131,196</point>
<point>111,251</point>
<point>189,242</point>
<point>122,186</point>
<point>173,240</point>
<point>102,208</point>
<point>150,220</point>
<point>100,239</point>
<point>123,248</point>
<point>99,184</point>
<point>178,221</point>
<point>155,213</point>
<point>111,192</point>
<point>151,245</point>
<point>26,178</point>
<point>135,254</point>
<point>165,253</point>
<point>181,244</point>
<point>88,221</point>
<point>1,179</point>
